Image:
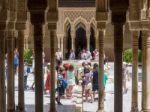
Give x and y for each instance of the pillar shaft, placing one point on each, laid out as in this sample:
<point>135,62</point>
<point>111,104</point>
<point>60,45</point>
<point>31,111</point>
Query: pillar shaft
<point>88,42</point>
<point>101,72</point>
<point>2,72</point>
<point>10,78</point>
<point>38,48</point>
<point>118,47</point>
<point>134,107</point>
<point>73,41</point>
<point>146,72</point>
<point>62,44</point>
<point>21,71</point>
<point>52,60</point>
<point>58,42</point>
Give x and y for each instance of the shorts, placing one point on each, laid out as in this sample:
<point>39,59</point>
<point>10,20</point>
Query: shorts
<point>95,87</point>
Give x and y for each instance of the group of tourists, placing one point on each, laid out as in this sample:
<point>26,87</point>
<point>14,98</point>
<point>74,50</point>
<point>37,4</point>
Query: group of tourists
<point>69,76</point>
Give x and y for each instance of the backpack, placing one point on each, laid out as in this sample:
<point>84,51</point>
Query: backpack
<point>28,69</point>
<point>64,84</point>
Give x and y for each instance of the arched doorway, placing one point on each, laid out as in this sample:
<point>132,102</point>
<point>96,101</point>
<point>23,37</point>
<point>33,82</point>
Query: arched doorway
<point>92,40</point>
<point>68,41</point>
<point>80,41</point>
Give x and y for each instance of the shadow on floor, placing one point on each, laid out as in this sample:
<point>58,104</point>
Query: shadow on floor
<point>60,108</point>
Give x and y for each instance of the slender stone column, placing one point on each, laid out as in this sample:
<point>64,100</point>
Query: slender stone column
<point>96,42</point>
<point>134,107</point>
<point>88,41</point>
<point>73,40</point>
<point>62,44</point>
<point>37,10</point>
<point>21,71</point>
<point>101,72</point>
<point>146,72</point>
<point>52,60</point>
<point>118,48</point>
<point>58,42</point>
<point>38,48</point>
<point>2,72</point>
<point>10,78</point>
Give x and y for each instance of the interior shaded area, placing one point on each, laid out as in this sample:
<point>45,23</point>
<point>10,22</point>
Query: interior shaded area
<point>81,41</point>
<point>68,41</point>
<point>92,40</point>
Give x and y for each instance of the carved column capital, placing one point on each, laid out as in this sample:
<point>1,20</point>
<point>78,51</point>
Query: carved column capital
<point>135,37</point>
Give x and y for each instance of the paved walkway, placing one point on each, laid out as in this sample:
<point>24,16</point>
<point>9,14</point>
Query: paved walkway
<point>69,104</point>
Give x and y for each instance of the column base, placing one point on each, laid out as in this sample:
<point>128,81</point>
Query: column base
<point>10,110</point>
<point>100,111</point>
<point>134,110</point>
<point>147,110</point>
<point>20,109</point>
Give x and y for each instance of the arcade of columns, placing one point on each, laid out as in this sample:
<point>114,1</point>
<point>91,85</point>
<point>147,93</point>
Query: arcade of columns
<point>13,19</point>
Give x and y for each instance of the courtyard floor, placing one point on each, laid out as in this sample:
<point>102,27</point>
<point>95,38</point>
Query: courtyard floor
<point>69,104</point>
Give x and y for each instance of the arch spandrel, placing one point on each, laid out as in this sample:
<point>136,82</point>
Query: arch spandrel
<point>66,23</point>
<point>80,21</point>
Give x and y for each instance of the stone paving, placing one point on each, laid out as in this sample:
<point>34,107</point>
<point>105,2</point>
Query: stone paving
<point>69,104</point>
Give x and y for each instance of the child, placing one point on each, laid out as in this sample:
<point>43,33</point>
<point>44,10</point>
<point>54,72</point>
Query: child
<point>61,86</point>
<point>70,81</point>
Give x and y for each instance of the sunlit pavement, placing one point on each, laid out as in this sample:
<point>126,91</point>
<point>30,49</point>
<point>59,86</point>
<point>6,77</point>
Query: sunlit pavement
<point>69,104</point>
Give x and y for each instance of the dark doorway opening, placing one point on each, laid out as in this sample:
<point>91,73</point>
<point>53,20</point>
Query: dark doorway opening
<point>68,42</point>
<point>92,40</point>
<point>81,41</point>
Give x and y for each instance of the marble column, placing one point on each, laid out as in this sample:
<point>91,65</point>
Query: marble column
<point>101,71</point>
<point>88,41</point>
<point>37,10</point>
<point>134,103</point>
<point>73,41</point>
<point>2,72</point>
<point>21,106</point>
<point>52,69</point>
<point>118,49</point>
<point>10,78</point>
<point>58,42</point>
<point>146,71</point>
<point>38,48</point>
<point>62,44</point>
<point>96,42</point>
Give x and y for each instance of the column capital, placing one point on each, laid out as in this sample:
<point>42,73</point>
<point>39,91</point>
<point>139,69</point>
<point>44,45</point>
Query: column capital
<point>134,25</point>
<point>135,38</point>
<point>101,25</point>
<point>52,26</point>
<point>10,34</point>
<point>37,10</point>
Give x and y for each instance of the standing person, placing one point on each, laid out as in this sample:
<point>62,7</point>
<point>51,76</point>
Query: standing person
<point>72,55</point>
<point>61,85</point>
<point>95,79</point>
<point>48,79</point>
<point>83,54</point>
<point>105,81</point>
<point>16,60</point>
<point>95,54</point>
<point>26,74</point>
<point>70,81</point>
<point>59,57</point>
<point>87,81</point>
<point>125,77</point>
